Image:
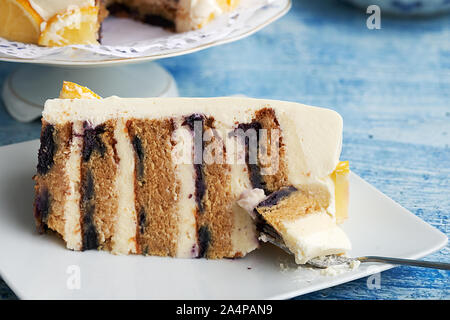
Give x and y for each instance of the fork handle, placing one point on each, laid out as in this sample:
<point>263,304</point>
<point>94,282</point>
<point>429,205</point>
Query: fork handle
<point>408,262</point>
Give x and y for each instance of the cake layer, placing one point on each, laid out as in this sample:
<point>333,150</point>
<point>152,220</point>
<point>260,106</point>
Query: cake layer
<point>156,186</point>
<point>163,176</point>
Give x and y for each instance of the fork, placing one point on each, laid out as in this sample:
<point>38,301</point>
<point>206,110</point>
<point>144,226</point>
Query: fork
<point>334,260</point>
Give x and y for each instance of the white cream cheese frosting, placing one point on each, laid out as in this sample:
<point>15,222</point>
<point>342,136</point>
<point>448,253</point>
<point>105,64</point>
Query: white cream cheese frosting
<point>313,235</point>
<point>124,238</point>
<point>72,234</point>
<point>187,229</point>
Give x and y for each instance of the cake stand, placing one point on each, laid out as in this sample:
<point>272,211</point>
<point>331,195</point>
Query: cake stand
<point>125,69</point>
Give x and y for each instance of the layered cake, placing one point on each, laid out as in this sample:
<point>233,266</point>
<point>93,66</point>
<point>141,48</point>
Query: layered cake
<point>64,22</point>
<point>178,177</point>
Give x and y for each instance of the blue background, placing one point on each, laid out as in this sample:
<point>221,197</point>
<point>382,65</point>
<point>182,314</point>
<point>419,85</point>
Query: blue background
<point>392,87</point>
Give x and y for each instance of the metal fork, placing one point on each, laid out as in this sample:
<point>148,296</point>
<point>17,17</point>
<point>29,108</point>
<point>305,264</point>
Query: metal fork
<point>334,260</point>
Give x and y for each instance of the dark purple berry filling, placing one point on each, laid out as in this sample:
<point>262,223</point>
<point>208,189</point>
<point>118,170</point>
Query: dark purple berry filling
<point>190,120</point>
<point>139,150</point>
<point>90,238</point>
<point>200,184</point>
<point>204,240</point>
<point>254,170</point>
<point>142,220</point>
<point>200,187</point>
<point>92,141</point>
<point>275,197</point>
<point>47,150</point>
<point>89,231</point>
<point>256,178</point>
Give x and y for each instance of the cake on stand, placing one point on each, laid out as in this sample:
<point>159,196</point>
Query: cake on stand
<point>116,67</point>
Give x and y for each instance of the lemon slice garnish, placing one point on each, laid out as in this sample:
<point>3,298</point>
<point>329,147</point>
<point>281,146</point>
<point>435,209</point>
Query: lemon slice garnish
<point>341,190</point>
<point>19,21</point>
<point>72,90</point>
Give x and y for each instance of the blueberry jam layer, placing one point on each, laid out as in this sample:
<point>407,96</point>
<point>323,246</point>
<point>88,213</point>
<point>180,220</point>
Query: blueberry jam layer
<point>139,150</point>
<point>47,150</point>
<point>197,131</point>
<point>275,197</point>
<point>256,178</point>
<point>204,240</point>
<point>142,220</point>
<point>200,186</point>
<point>87,204</point>
<point>92,141</point>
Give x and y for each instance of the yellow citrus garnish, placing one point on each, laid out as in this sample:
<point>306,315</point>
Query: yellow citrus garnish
<point>341,190</point>
<point>19,21</point>
<point>72,90</point>
<point>75,26</point>
<point>342,167</point>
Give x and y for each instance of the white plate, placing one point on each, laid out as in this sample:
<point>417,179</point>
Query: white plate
<point>39,267</point>
<point>127,41</point>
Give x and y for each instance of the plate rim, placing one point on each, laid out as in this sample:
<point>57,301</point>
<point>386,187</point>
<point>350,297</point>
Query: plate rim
<point>116,61</point>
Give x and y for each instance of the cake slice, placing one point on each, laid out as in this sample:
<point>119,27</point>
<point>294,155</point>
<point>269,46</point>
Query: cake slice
<point>64,22</point>
<point>163,176</point>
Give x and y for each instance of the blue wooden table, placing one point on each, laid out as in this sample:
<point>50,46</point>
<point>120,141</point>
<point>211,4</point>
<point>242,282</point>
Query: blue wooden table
<point>392,87</point>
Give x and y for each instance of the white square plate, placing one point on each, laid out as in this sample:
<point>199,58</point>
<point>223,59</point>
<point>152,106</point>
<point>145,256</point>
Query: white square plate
<point>39,267</point>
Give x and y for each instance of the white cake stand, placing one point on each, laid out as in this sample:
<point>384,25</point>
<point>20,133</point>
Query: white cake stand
<point>40,77</point>
<point>26,88</point>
